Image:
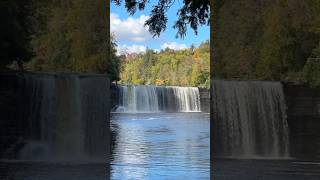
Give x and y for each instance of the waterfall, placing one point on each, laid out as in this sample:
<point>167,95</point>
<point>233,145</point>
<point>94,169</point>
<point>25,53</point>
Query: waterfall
<point>249,119</point>
<point>68,116</point>
<point>158,99</point>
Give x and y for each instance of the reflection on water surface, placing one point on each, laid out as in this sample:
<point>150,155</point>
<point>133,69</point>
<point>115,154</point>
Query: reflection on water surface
<point>160,146</point>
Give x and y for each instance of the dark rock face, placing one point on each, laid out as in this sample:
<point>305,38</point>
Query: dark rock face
<point>14,101</point>
<point>114,96</point>
<point>60,112</point>
<point>303,115</point>
<point>204,99</point>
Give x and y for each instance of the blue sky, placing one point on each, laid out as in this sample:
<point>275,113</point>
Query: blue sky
<point>132,36</point>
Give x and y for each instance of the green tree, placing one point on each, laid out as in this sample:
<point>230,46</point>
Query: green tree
<point>193,13</point>
<point>73,36</point>
<point>265,39</point>
<point>311,73</point>
<point>15,32</point>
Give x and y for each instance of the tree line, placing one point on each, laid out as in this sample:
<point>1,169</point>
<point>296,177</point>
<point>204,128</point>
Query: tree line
<point>188,67</point>
<point>267,40</point>
<point>253,39</point>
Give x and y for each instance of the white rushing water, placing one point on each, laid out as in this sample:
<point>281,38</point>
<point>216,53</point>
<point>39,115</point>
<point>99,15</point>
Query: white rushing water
<point>250,119</point>
<point>158,99</point>
<point>67,117</point>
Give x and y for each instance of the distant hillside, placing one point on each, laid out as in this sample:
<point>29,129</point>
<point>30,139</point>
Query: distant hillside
<point>189,67</point>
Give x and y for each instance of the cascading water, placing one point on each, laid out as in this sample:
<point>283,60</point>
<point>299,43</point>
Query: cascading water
<point>67,116</point>
<point>158,99</point>
<point>249,119</point>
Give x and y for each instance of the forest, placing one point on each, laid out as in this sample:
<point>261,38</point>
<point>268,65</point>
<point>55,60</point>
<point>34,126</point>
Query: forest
<point>267,40</point>
<point>57,36</point>
<point>188,67</point>
<point>251,40</point>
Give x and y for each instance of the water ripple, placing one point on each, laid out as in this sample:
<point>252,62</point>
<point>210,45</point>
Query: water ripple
<point>161,146</point>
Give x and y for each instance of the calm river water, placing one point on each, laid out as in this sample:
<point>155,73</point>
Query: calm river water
<point>160,146</point>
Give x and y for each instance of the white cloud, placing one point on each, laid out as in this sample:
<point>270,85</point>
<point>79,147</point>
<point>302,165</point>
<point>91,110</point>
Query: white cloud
<point>156,50</point>
<point>128,49</point>
<point>130,29</point>
<point>124,49</point>
<point>174,46</point>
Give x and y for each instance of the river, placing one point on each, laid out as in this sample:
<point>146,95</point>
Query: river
<point>160,146</point>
